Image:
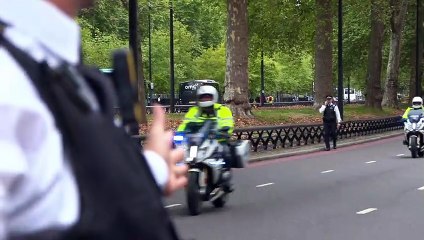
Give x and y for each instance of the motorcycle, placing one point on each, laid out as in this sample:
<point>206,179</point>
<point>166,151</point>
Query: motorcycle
<point>414,133</point>
<point>205,155</point>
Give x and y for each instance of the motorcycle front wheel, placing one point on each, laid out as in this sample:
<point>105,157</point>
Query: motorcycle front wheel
<point>414,147</point>
<point>194,201</point>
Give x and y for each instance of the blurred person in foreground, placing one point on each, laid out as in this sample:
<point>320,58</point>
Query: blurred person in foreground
<point>70,173</point>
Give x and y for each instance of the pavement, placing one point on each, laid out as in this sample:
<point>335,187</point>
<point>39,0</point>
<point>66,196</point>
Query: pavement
<point>294,151</point>
<point>367,191</point>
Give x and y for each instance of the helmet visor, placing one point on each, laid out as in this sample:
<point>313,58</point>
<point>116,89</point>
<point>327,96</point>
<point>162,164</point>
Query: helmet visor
<point>205,97</point>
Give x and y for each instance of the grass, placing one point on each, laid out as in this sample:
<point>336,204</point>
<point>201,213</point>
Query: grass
<point>361,110</point>
<point>284,115</point>
<point>294,115</point>
<point>308,114</point>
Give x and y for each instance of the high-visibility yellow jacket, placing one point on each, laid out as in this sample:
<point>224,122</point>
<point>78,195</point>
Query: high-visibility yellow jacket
<point>223,116</point>
<point>405,115</point>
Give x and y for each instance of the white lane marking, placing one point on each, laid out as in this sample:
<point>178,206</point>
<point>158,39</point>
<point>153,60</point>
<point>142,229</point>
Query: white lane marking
<point>264,185</point>
<point>365,211</point>
<point>400,155</point>
<point>173,205</point>
<point>421,188</point>
<point>371,162</point>
<point>328,171</point>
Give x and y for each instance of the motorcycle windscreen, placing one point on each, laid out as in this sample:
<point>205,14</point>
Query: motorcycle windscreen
<point>414,116</point>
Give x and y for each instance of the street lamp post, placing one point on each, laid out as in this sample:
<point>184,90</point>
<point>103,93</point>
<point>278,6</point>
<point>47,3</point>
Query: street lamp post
<point>340,58</point>
<point>132,17</point>
<point>262,96</point>
<point>171,61</point>
<point>418,50</point>
<point>150,56</point>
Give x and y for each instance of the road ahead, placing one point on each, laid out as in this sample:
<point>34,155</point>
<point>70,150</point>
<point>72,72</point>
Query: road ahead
<point>373,191</point>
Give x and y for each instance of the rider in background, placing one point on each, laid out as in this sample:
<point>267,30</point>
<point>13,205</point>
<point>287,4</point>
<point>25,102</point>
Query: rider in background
<point>208,109</point>
<point>417,104</point>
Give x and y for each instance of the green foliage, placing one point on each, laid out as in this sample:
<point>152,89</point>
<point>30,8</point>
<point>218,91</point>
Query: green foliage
<point>284,30</point>
<point>281,25</point>
<point>204,18</point>
<point>283,73</point>
<point>186,47</point>
<point>356,40</point>
<point>97,46</point>
<point>211,65</point>
<point>107,17</point>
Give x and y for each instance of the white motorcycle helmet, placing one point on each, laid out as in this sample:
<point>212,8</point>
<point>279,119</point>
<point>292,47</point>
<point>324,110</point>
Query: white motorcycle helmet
<point>417,102</point>
<point>207,96</point>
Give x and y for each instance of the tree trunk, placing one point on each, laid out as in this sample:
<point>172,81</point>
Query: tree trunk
<point>374,95</point>
<point>397,23</point>
<point>323,51</point>
<point>236,77</point>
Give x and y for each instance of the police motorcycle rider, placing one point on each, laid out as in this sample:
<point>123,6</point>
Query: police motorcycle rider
<point>208,109</point>
<point>417,104</point>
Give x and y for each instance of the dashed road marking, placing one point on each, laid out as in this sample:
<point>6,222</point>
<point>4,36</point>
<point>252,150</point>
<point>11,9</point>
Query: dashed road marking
<point>264,185</point>
<point>421,188</point>
<point>400,155</point>
<point>365,211</point>
<point>371,162</point>
<point>328,171</point>
<point>173,205</point>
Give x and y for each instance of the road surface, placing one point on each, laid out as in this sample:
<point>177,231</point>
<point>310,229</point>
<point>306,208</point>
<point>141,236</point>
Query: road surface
<point>371,191</point>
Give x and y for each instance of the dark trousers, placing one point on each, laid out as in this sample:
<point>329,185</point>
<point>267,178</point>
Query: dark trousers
<point>330,131</point>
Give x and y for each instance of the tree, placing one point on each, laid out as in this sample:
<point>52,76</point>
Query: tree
<point>323,50</point>
<point>296,37</point>
<point>413,51</point>
<point>97,47</point>
<point>211,65</point>
<point>236,78</point>
<point>374,95</point>
<point>281,26</point>
<point>397,22</point>
<point>204,18</point>
<point>108,17</point>
<point>356,31</point>
<point>186,47</point>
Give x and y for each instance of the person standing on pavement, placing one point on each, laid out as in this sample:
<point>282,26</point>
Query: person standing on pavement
<point>40,187</point>
<point>331,120</point>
